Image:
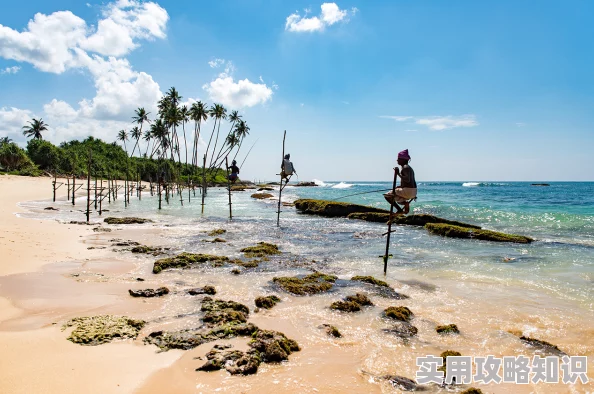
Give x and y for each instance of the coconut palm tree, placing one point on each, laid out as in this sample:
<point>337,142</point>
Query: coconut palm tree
<point>123,136</point>
<point>140,117</point>
<point>233,118</point>
<point>184,117</point>
<point>217,112</point>
<point>198,113</point>
<point>35,128</point>
<point>241,131</point>
<point>136,133</point>
<point>5,140</point>
<point>147,137</point>
<point>159,134</point>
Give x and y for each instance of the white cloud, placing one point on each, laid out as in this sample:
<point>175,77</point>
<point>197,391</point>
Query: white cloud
<point>240,94</point>
<point>216,63</point>
<point>10,70</point>
<point>329,15</point>
<point>49,42</point>
<point>439,122</point>
<point>12,120</point>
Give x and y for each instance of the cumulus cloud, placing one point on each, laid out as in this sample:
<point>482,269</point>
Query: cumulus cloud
<point>49,42</point>
<point>330,14</point>
<point>438,122</point>
<point>12,120</point>
<point>10,70</point>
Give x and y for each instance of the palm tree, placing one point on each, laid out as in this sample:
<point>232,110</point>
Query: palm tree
<point>5,140</point>
<point>184,117</point>
<point>135,133</point>
<point>242,130</point>
<point>35,128</point>
<point>123,136</point>
<point>198,113</point>
<point>233,118</point>
<point>218,112</point>
<point>140,117</point>
<point>147,137</point>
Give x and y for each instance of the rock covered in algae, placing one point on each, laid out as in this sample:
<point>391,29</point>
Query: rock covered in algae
<point>217,231</point>
<point>402,383</point>
<point>262,249</point>
<point>127,220</point>
<point>261,196</point>
<point>147,250</point>
<point>217,240</point>
<point>447,329</point>
<point>273,346</point>
<point>403,330</point>
<point>185,260</point>
<point>401,313</point>
<point>420,219</point>
<point>452,231</point>
<point>472,390</point>
<point>210,290</point>
<point>370,280</point>
<point>449,353</point>
<point>265,189</point>
<point>331,330</point>
<point>352,303</point>
<point>95,330</point>
<point>209,305</point>
<point>309,284</point>
<point>306,184</point>
<point>235,362</point>
<point>542,345</point>
<point>161,291</point>
<point>267,302</point>
<point>101,230</point>
<point>332,208</point>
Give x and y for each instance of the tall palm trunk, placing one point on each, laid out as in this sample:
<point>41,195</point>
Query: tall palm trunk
<point>215,145</point>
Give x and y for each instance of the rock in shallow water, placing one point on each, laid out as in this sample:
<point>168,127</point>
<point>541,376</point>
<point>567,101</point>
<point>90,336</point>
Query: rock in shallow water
<point>96,330</point>
<point>447,329</point>
<point>126,220</point>
<point>309,284</point>
<point>451,231</point>
<point>267,302</point>
<point>401,313</point>
<point>210,290</point>
<point>161,291</point>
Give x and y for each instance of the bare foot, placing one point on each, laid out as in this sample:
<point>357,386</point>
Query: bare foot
<point>406,208</point>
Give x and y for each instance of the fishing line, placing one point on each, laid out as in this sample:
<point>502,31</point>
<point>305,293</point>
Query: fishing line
<point>357,194</point>
<point>246,156</point>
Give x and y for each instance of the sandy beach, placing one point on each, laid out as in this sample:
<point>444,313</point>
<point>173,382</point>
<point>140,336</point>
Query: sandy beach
<point>49,275</point>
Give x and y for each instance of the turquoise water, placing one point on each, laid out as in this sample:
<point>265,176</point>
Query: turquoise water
<point>561,218</point>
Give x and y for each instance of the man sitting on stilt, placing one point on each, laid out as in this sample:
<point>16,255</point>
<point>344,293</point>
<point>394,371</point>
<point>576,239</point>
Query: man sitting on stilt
<point>287,169</point>
<point>407,191</point>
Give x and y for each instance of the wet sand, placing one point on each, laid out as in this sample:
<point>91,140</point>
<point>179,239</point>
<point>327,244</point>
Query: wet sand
<point>60,279</point>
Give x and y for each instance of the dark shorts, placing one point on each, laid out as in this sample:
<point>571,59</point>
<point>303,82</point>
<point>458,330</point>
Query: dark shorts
<point>233,177</point>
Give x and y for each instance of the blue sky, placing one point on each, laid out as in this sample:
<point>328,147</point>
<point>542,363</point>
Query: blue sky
<point>475,90</point>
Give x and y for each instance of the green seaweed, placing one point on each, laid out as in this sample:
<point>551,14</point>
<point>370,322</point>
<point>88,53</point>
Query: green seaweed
<point>352,303</point>
<point>332,208</point>
<point>261,196</point>
<point>185,260</point>
<point>472,390</point>
<point>128,220</point>
<point>267,302</point>
<point>235,362</point>
<point>215,232</point>
<point>447,329</point>
<point>262,249</point>
<point>401,313</point>
<point>452,231</point>
<point>371,280</point>
<point>310,284</point>
<point>147,250</point>
<point>210,305</point>
<point>273,346</point>
<point>96,330</point>
<point>332,331</point>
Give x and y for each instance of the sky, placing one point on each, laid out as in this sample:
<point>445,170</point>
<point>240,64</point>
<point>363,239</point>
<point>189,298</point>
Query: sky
<point>490,90</point>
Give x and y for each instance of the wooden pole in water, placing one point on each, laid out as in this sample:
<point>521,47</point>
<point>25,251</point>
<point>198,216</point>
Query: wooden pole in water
<point>95,192</point>
<point>89,186</point>
<point>73,189</point>
<point>101,197</point>
<point>203,182</point>
<point>390,223</point>
<point>229,187</point>
<point>159,192</point>
<point>54,186</point>
<point>280,189</point>
<point>68,185</point>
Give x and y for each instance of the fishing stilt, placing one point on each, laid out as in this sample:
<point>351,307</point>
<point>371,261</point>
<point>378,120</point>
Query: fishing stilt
<point>387,255</point>
<point>229,187</point>
<point>280,188</point>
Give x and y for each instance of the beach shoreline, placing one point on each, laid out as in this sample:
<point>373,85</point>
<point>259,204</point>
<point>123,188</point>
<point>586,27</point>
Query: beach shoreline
<point>26,318</point>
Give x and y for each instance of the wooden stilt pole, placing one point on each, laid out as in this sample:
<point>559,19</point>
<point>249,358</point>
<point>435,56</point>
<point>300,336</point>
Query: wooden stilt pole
<point>203,182</point>
<point>108,188</point>
<point>159,192</point>
<point>89,186</point>
<point>95,192</point>
<point>280,189</point>
<point>68,185</point>
<point>229,188</point>
<point>73,189</point>
<point>386,256</point>
<point>54,186</point>
<point>101,197</point>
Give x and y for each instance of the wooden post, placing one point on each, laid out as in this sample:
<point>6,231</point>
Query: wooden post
<point>229,187</point>
<point>73,189</point>
<point>126,188</point>
<point>95,192</point>
<point>108,188</point>
<point>54,186</point>
<point>203,182</point>
<point>101,196</point>
<point>89,186</point>
<point>159,192</point>
<point>280,189</point>
<point>139,186</point>
<point>390,224</point>
<point>68,184</point>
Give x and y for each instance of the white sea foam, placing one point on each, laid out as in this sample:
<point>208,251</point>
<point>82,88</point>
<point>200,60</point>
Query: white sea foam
<point>342,185</point>
<point>319,182</point>
<point>469,184</point>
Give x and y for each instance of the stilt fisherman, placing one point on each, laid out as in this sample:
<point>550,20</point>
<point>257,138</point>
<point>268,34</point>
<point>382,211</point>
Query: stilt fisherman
<point>407,191</point>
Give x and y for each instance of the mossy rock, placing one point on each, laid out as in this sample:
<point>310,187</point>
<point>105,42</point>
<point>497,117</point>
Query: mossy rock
<point>370,280</point>
<point>447,230</point>
<point>96,330</point>
<point>402,383</point>
<point>447,329</point>
<point>332,208</point>
<point>265,189</point>
<point>311,284</point>
<point>267,302</point>
<point>215,232</point>
<point>128,220</point>
<point>273,346</point>
<point>261,196</point>
<point>224,316</point>
<point>186,260</point>
<point>403,330</point>
<point>346,306</point>
<point>262,249</point>
<point>147,250</point>
<point>401,313</point>
<point>410,220</point>
<point>472,390</point>
<point>542,345</point>
<point>210,305</point>
<point>331,330</point>
<point>235,362</point>
<point>236,271</point>
<point>210,290</point>
<point>148,293</point>
<point>449,353</point>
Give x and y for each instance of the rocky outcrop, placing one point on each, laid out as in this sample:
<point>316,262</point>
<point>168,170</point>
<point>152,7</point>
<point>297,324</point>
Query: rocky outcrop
<point>401,313</point>
<point>352,303</point>
<point>331,330</point>
<point>332,208</point>
<point>261,196</point>
<point>235,362</point>
<point>267,302</point>
<point>543,346</point>
<point>210,290</point>
<point>96,330</point>
<point>447,329</point>
<point>451,231</point>
<point>128,220</point>
<point>215,232</point>
<point>310,284</point>
<point>262,249</point>
<point>149,293</point>
<point>306,184</point>
<point>186,260</point>
<point>273,346</point>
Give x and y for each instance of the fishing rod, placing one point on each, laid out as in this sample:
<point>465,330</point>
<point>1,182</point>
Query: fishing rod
<point>246,156</point>
<point>357,194</point>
